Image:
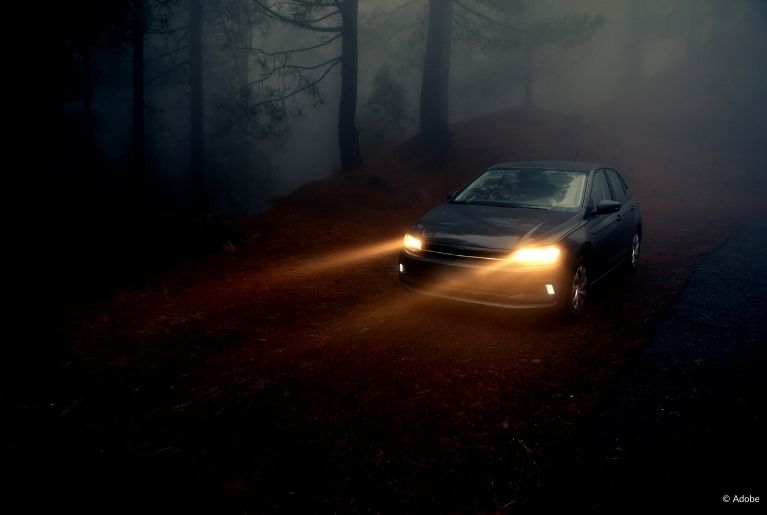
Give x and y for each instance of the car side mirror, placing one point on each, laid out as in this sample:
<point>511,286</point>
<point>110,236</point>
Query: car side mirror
<point>451,195</point>
<point>607,206</point>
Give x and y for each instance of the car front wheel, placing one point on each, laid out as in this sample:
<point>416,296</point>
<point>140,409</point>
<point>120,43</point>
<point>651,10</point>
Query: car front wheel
<point>575,301</point>
<point>633,261</point>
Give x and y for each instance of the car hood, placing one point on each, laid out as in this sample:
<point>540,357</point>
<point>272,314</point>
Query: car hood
<point>492,227</point>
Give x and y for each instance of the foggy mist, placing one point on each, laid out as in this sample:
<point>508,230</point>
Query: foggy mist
<point>631,48</point>
<point>574,80</point>
<point>219,227</point>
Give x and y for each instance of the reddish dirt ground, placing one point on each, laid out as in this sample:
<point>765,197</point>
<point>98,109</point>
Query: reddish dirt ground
<point>294,374</point>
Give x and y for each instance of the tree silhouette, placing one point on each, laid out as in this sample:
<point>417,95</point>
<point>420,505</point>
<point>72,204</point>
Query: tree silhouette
<point>314,16</point>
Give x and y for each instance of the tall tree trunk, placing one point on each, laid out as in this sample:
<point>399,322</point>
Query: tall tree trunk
<point>240,192</point>
<point>89,171</point>
<point>139,165</point>
<point>196,121</point>
<point>348,136</point>
<point>529,74</point>
<point>436,79</point>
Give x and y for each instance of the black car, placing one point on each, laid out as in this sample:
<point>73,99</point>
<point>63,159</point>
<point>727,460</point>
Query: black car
<point>526,235</point>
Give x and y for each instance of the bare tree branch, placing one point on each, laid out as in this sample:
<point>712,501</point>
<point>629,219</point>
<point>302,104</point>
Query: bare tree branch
<point>488,18</point>
<point>277,69</point>
<point>282,98</point>
<point>307,25</point>
<point>322,18</point>
<point>301,89</point>
<point>292,51</point>
<point>306,3</point>
<point>470,33</point>
<point>394,11</point>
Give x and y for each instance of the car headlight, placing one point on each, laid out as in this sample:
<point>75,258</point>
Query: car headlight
<point>535,256</point>
<point>411,242</point>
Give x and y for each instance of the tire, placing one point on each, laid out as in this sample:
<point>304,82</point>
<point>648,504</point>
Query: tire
<point>573,304</point>
<point>632,263</point>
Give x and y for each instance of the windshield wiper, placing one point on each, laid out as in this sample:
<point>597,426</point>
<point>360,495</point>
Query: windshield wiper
<point>497,204</point>
<point>531,207</point>
<point>511,204</point>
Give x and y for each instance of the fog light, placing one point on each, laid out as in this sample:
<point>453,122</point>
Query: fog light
<point>401,268</point>
<point>549,288</point>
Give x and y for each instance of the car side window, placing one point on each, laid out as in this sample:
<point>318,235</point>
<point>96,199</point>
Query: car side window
<point>599,190</point>
<point>617,185</point>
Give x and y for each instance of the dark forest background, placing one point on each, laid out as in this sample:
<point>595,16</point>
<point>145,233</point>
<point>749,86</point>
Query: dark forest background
<point>204,200</point>
<point>146,126</point>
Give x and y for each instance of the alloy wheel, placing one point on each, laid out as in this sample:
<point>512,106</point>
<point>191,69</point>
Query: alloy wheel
<point>635,251</point>
<point>578,289</point>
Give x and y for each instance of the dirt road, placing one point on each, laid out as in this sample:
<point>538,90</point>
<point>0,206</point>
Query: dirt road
<point>295,375</point>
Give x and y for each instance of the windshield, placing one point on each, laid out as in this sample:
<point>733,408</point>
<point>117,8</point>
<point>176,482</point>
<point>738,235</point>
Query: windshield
<point>527,187</point>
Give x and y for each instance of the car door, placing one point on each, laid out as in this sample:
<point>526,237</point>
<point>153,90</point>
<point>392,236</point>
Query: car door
<point>603,228</point>
<point>626,216</point>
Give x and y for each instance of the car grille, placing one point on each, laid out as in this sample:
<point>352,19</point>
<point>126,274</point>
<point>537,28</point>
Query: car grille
<point>459,254</point>
<point>450,277</point>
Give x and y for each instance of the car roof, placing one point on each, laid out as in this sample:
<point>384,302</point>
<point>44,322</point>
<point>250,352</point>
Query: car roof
<point>573,166</point>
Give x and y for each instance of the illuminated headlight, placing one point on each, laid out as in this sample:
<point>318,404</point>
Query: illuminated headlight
<point>412,243</point>
<point>535,256</point>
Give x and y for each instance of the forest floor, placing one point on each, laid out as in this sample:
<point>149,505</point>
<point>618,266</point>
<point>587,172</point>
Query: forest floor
<point>293,374</point>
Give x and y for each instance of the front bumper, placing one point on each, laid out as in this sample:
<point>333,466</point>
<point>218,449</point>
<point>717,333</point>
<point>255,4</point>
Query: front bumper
<point>480,281</point>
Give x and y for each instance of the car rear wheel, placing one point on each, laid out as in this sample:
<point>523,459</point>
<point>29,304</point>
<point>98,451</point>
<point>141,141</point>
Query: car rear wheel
<point>574,302</point>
